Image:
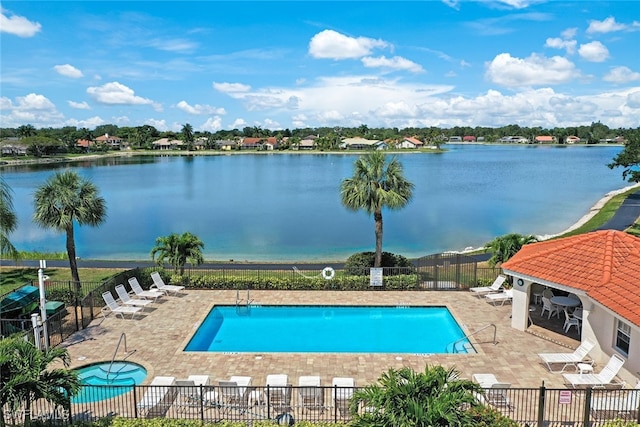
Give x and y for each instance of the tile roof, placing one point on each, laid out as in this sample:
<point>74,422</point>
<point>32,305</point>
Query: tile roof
<point>604,264</point>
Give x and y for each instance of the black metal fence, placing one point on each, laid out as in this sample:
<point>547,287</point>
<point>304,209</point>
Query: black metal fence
<point>527,406</point>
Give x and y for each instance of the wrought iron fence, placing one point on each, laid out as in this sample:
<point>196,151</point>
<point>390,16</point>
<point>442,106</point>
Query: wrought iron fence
<point>208,403</point>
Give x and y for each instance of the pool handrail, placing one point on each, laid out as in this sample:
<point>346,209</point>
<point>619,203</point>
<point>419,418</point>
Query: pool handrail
<point>115,353</point>
<point>495,332</point>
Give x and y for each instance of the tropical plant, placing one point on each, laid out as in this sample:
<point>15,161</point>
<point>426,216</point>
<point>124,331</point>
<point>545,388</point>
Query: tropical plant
<point>187,135</point>
<point>8,220</point>
<point>403,397</point>
<point>377,183</point>
<point>504,247</point>
<point>177,249</point>
<point>26,376</point>
<point>629,160</point>
<point>361,262</point>
<point>64,199</point>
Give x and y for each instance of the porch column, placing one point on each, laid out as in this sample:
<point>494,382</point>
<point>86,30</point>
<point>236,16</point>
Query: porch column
<point>520,307</point>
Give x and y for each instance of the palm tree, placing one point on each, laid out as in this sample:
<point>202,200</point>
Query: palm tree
<point>504,247</point>
<point>26,377</point>
<point>177,249</point>
<point>64,199</point>
<point>403,397</point>
<point>187,135</point>
<point>8,220</point>
<point>376,184</point>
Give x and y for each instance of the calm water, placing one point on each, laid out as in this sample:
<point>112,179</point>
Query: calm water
<point>287,207</point>
<point>380,330</point>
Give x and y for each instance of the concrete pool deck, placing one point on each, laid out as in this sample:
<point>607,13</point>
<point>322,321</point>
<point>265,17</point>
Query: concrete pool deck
<point>159,335</point>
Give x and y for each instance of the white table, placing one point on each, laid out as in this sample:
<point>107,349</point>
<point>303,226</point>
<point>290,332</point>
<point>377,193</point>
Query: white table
<point>565,301</point>
<point>585,368</point>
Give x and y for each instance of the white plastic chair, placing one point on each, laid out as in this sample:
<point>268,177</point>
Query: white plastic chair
<point>547,305</point>
<point>570,321</point>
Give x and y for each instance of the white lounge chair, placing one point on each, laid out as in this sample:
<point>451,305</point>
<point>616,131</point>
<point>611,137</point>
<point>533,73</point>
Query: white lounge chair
<point>113,307</point>
<point>233,393</point>
<point>310,393</point>
<point>567,359</point>
<point>501,297</point>
<point>496,286</point>
<point>127,300</point>
<point>343,388</point>
<point>603,378</point>
<point>158,396</point>
<point>139,292</point>
<point>494,391</point>
<point>620,405</point>
<point>278,392</point>
<point>190,391</point>
<point>159,284</point>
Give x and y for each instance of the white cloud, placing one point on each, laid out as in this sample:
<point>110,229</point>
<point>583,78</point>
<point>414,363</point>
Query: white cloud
<point>199,109</point>
<point>395,63</point>
<point>174,45</point>
<point>633,99</point>
<point>621,75</point>
<point>33,109</point>
<point>271,124</point>
<point>231,87</point>
<point>594,51</point>
<point>212,124</point>
<point>68,71</point>
<point>333,45</point>
<point>115,93</point>
<point>18,25</point>
<point>89,123</point>
<point>79,105</point>
<point>569,33</point>
<point>238,123</point>
<point>158,124</point>
<point>516,4</point>
<point>558,43</point>
<point>606,26</point>
<point>536,70</point>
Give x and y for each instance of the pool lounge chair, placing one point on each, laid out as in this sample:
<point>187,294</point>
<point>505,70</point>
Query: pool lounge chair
<point>602,379</point>
<point>233,393</point>
<point>579,355</point>
<point>501,297</point>
<point>159,284</point>
<point>621,405</point>
<point>139,292</point>
<point>496,286</point>
<point>278,392</point>
<point>342,392</point>
<point>113,307</point>
<point>158,397</point>
<point>190,392</point>
<point>310,393</point>
<point>495,393</point>
<point>127,300</point>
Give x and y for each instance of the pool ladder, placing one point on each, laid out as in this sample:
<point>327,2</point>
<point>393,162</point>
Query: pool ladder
<point>243,306</point>
<point>455,349</point>
<point>123,336</point>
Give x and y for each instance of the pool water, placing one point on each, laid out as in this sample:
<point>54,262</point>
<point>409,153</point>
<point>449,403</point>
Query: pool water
<point>120,375</point>
<point>329,329</point>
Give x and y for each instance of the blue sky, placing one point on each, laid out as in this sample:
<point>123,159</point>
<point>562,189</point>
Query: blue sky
<point>294,64</point>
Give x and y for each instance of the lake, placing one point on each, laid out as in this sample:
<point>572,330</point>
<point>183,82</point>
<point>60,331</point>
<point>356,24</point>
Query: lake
<point>286,207</point>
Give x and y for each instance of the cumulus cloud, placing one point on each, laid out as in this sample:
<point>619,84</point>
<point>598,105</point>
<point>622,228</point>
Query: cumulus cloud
<point>198,109</point>
<point>33,108</point>
<point>536,70</point>
<point>569,33</point>
<point>18,25</point>
<point>633,99</point>
<point>68,71</point>
<point>330,44</point>
<point>395,63</point>
<point>79,105</point>
<point>89,123</point>
<point>115,93</point>
<point>158,124</point>
<point>594,52</point>
<point>238,123</point>
<point>621,75</point>
<point>212,124</point>
<point>558,43</point>
<point>231,87</point>
<point>607,26</point>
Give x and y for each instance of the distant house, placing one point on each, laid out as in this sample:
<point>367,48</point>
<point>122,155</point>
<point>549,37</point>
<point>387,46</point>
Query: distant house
<point>109,140</point>
<point>167,144</point>
<point>572,139</point>
<point>226,144</point>
<point>85,144</point>
<point>480,139</point>
<point>270,143</point>
<point>514,139</point>
<point>363,144</point>
<point>12,147</point>
<point>455,139</point>
<point>250,143</point>
<point>307,143</point>
<point>410,142</point>
<point>545,139</point>
<point>469,138</point>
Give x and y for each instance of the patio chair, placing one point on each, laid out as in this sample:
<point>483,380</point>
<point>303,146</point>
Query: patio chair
<point>310,393</point>
<point>602,379</point>
<point>158,397</point>
<point>623,405</point>
<point>567,359</point>
<point>139,292</point>
<point>496,395</point>
<point>190,392</point>
<point>278,392</point>
<point>127,300</point>
<point>569,321</point>
<point>113,307</point>
<point>547,305</point>
<point>342,392</point>
<point>502,297</point>
<point>159,284</point>
<point>496,286</point>
<point>233,393</point>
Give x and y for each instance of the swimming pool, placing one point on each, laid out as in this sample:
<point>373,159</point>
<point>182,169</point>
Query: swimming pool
<point>329,329</point>
<point>121,376</point>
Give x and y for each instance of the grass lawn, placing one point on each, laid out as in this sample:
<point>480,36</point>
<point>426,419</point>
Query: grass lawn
<point>15,277</point>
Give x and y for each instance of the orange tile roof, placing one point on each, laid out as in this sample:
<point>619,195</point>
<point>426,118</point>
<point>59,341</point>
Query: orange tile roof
<point>604,264</point>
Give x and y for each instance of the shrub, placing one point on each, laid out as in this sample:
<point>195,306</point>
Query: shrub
<point>360,263</point>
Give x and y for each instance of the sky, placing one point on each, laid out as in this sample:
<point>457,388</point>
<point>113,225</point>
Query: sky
<point>297,64</point>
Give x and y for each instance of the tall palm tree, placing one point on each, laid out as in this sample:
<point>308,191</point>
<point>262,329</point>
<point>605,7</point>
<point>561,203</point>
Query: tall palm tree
<point>403,397</point>
<point>64,199</point>
<point>504,247</point>
<point>8,220</point>
<point>177,249</point>
<point>187,135</point>
<point>26,376</point>
<point>376,184</point>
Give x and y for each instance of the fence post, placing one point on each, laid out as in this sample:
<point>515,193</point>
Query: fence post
<point>541,404</point>
<point>135,401</point>
<point>587,407</point>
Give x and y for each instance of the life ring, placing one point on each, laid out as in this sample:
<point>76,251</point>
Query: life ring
<point>328,273</point>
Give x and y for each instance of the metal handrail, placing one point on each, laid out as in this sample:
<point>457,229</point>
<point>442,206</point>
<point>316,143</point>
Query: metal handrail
<point>115,353</point>
<point>495,331</point>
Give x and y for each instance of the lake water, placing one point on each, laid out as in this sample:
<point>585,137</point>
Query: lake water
<point>286,207</point>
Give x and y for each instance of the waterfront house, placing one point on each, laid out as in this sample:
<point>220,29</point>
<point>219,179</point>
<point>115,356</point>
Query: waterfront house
<point>572,139</point>
<point>545,139</point>
<point>363,144</point>
<point>167,144</point>
<point>111,141</point>
<point>602,268</point>
<point>307,143</point>
<point>410,142</point>
<point>85,144</point>
<point>11,146</point>
<point>469,138</point>
<point>455,139</point>
<point>226,144</point>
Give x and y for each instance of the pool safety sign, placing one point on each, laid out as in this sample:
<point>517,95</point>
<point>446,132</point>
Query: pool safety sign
<point>565,397</point>
<point>375,277</point>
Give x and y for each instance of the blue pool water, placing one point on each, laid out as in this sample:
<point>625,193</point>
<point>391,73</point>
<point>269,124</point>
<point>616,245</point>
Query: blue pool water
<point>329,329</point>
<point>121,376</point>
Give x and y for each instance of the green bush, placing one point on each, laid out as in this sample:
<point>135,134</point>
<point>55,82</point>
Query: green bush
<point>165,422</point>
<point>360,263</point>
<point>485,416</point>
<point>67,296</point>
